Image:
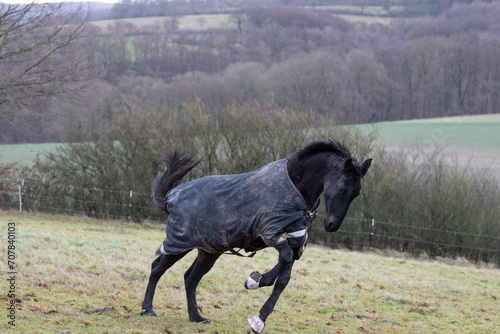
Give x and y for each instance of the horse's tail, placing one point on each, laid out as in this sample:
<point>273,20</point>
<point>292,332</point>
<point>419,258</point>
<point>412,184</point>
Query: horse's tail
<point>179,164</point>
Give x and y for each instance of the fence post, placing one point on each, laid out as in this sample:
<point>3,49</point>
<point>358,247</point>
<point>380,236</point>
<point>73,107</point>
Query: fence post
<point>372,233</point>
<point>21,193</point>
<point>130,206</point>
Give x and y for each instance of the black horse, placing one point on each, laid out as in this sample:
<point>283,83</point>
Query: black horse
<point>273,206</point>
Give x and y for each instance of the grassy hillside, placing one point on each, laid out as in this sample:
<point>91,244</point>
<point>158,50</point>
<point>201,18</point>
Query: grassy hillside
<point>192,22</point>
<point>24,154</point>
<point>367,14</point>
<point>470,140</point>
<point>76,274</point>
<point>479,131</point>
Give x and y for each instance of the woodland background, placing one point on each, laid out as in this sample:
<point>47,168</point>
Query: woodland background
<point>431,59</point>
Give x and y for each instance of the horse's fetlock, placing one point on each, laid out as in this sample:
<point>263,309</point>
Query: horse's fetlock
<point>148,312</point>
<point>253,281</point>
<point>256,324</point>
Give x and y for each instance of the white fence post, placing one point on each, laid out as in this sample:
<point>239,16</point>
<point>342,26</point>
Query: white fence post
<point>21,190</point>
<point>130,206</point>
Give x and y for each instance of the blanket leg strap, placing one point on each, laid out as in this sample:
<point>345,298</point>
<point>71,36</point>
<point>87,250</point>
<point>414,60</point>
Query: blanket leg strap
<point>210,249</point>
<point>231,249</point>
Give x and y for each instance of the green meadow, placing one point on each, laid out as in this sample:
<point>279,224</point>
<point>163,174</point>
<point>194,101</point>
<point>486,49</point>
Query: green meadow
<point>24,154</point>
<point>82,275</point>
<point>214,21</point>
<point>480,131</point>
<point>191,22</point>
<point>471,141</point>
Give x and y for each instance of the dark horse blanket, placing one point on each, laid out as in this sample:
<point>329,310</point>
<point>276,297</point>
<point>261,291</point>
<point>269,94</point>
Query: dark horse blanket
<point>216,213</point>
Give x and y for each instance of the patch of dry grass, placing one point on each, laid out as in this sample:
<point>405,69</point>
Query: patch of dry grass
<point>82,275</point>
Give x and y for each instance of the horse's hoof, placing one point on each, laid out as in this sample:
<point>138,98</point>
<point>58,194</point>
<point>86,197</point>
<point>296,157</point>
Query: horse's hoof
<point>202,320</point>
<point>253,281</point>
<point>148,312</point>
<point>256,325</point>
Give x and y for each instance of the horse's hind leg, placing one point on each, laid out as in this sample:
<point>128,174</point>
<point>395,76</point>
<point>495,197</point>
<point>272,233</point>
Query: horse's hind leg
<point>158,268</point>
<point>202,265</point>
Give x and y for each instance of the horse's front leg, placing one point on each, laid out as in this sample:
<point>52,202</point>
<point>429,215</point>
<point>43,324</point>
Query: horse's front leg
<point>256,280</point>
<point>281,274</point>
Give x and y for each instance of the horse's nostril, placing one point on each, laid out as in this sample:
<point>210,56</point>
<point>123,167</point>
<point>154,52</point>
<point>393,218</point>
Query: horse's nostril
<point>330,221</point>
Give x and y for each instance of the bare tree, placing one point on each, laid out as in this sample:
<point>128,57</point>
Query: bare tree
<point>38,52</point>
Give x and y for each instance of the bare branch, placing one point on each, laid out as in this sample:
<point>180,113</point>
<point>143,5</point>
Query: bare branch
<point>39,46</point>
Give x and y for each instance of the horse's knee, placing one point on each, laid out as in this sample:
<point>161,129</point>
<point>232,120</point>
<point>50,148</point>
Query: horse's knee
<point>156,266</point>
<point>287,261</point>
<point>286,256</point>
<point>155,262</point>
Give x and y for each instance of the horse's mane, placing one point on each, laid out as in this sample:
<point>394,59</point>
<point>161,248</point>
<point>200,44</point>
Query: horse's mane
<point>316,147</point>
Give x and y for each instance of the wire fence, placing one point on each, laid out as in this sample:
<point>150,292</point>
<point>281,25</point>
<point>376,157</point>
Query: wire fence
<point>356,233</point>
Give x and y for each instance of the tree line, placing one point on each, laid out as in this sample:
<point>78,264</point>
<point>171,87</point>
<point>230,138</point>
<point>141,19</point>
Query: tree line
<point>284,58</point>
<point>391,8</point>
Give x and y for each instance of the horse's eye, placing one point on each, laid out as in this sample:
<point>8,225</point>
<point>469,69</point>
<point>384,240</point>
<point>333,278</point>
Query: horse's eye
<point>342,190</point>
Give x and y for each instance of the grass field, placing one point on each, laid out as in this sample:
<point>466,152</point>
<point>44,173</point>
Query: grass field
<point>368,10</point>
<point>470,140</point>
<point>192,22</point>
<point>24,154</point>
<point>367,14</point>
<point>208,21</point>
<point>81,275</point>
<point>480,131</point>
<point>365,19</point>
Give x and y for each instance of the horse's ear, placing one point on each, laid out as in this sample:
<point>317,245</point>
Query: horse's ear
<point>348,165</point>
<point>365,166</point>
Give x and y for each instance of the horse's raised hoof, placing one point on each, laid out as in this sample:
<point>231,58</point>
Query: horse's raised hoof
<point>150,313</point>
<point>256,325</point>
<point>253,281</point>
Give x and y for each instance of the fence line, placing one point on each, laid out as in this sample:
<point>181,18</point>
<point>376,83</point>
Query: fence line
<point>370,234</point>
<point>438,230</point>
<point>439,243</point>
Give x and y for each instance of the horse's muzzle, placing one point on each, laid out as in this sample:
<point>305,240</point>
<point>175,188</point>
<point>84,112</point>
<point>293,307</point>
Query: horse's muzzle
<point>331,224</point>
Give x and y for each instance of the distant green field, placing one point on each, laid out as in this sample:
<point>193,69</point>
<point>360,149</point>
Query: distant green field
<point>192,22</point>
<point>24,154</point>
<point>367,10</point>
<point>481,131</point>
<point>213,21</point>
<point>365,18</point>
<point>367,14</point>
<point>469,140</point>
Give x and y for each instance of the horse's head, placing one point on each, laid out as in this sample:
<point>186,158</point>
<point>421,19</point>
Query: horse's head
<point>327,167</point>
<point>341,186</point>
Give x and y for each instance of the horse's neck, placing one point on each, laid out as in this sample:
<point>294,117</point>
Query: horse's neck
<point>311,195</point>
<point>309,182</point>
